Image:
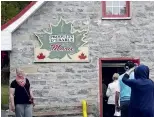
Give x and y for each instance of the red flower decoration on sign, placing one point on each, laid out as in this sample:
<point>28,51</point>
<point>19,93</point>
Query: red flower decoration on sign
<point>82,56</point>
<point>41,56</point>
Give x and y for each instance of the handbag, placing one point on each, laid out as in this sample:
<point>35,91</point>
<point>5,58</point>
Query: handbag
<point>30,99</point>
<point>117,113</point>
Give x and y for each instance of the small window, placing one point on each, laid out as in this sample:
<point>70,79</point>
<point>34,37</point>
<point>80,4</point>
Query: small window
<point>116,9</point>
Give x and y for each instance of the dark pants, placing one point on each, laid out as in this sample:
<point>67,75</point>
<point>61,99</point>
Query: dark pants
<point>124,106</point>
<point>111,110</point>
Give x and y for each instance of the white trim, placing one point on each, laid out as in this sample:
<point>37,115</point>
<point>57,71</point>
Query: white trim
<point>6,41</point>
<point>116,18</point>
<point>6,34</point>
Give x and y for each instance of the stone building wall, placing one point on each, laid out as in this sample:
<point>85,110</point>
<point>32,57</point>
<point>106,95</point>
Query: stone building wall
<point>59,84</point>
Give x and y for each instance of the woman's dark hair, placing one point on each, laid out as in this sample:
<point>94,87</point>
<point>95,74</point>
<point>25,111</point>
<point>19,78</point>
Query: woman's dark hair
<point>129,65</point>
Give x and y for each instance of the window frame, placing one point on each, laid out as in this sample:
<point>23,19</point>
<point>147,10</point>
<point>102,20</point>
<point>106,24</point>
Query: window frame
<point>125,16</point>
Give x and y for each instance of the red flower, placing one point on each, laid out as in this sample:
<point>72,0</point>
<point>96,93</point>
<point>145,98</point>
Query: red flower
<point>82,56</point>
<point>41,56</point>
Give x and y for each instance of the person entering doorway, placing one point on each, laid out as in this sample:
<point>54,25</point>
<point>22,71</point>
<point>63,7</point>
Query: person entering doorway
<point>108,69</point>
<point>124,92</point>
<point>111,91</point>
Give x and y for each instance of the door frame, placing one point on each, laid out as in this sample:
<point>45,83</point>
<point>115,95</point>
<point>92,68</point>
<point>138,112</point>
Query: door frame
<point>137,60</point>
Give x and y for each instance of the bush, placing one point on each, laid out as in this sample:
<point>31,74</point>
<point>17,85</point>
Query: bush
<point>4,94</point>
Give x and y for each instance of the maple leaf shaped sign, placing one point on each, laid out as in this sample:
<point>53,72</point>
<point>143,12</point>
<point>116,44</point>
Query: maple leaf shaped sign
<point>82,56</point>
<point>41,56</point>
<point>61,40</point>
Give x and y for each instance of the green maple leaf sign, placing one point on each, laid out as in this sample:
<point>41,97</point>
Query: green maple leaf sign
<point>60,40</point>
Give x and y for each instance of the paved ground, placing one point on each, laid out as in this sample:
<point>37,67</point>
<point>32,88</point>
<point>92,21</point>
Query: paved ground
<point>3,113</point>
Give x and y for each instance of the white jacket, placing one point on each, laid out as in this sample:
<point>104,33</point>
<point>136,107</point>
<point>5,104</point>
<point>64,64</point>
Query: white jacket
<point>111,91</point>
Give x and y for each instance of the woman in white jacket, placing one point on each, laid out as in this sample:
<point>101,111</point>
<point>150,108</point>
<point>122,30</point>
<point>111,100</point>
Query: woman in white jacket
<point>111,91</point>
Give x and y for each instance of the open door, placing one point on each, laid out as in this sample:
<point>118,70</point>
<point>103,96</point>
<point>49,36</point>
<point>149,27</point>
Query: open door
<point>108,66</point>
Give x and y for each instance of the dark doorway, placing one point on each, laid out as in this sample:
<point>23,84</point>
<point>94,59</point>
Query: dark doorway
<point>107,68</point>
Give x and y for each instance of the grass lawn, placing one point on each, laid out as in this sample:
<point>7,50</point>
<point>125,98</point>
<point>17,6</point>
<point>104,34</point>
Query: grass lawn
<point>4,94</point>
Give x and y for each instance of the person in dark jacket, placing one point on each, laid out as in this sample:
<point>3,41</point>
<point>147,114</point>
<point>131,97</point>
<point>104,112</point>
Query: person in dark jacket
<point>142,92</point>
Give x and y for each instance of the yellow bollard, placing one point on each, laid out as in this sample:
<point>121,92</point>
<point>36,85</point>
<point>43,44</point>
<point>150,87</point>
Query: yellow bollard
<point>84,108</point>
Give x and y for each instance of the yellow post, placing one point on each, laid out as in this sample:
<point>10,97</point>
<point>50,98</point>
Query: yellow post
<point>84,108</point>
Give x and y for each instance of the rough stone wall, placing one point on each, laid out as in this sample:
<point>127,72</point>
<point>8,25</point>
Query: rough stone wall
<point>57,84</point>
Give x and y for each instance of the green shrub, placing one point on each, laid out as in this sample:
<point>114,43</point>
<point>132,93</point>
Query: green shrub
<point>4,94</point>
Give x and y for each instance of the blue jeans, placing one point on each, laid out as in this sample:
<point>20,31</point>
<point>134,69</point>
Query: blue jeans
<point>23,110</point>
<point>124,106</point>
